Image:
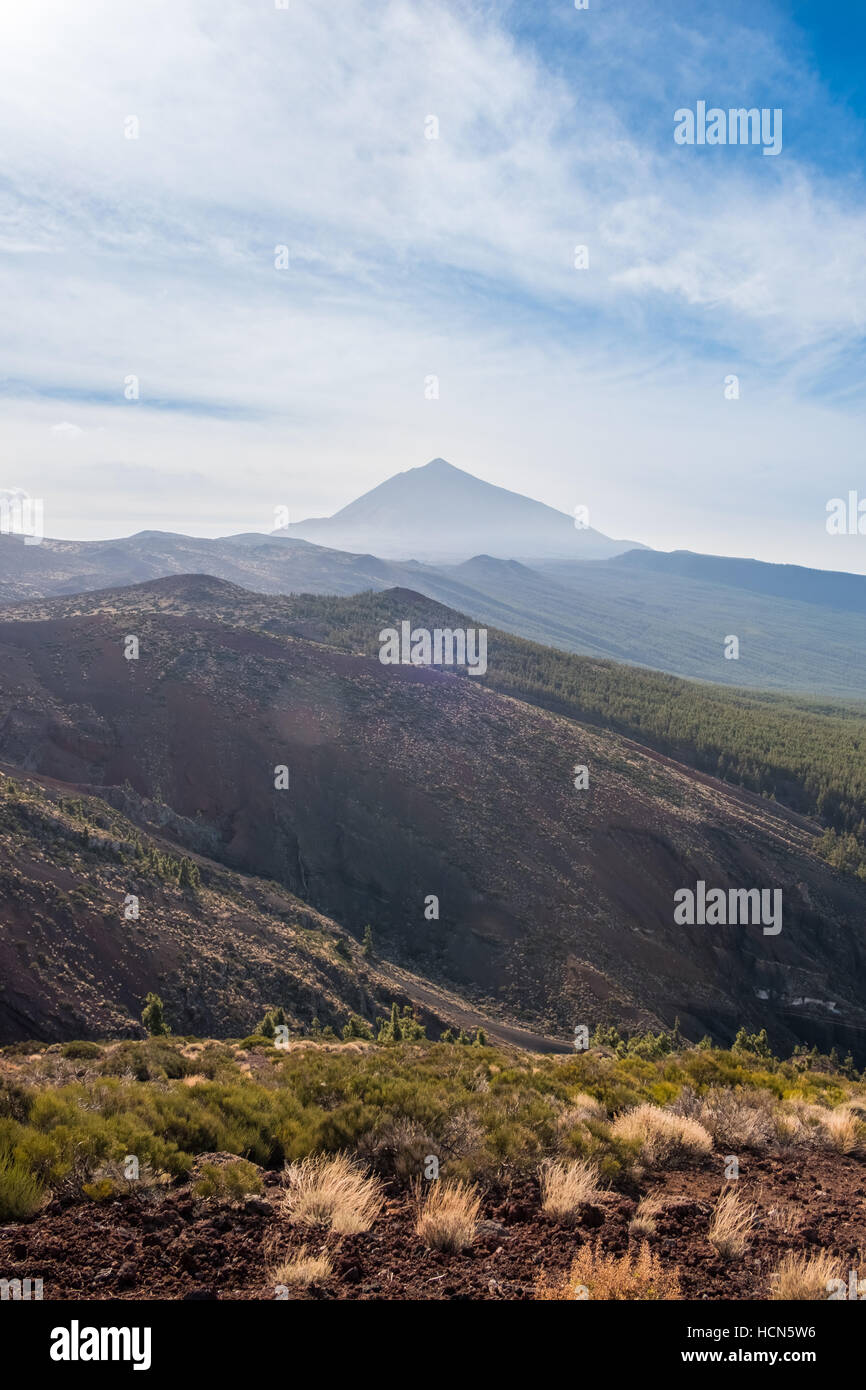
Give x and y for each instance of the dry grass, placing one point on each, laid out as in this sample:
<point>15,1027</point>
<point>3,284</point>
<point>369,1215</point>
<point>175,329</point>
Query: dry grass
<point>565,1187</point>
<point>605,1277</point>
<point>664,1138</point>
<point>332,1191</point>
<point>301,1270</point>
<point>447,1214</point>
<point>786,1219</point>
<point>583,1107</point>
<point>731,1223</point>
<point>844,1129</point>
<point>791,1128</point>
<point>805,1276</point>
<point>643,1223</point>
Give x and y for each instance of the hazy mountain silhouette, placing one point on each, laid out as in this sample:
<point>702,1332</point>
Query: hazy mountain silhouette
<point>439,512</point>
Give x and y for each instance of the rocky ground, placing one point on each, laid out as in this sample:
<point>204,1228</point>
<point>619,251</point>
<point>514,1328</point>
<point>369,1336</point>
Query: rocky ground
<point>173,1245</point>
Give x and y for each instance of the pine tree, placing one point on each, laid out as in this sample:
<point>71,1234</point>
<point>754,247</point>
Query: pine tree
<point>367,948</point>
<point>153,1018</point>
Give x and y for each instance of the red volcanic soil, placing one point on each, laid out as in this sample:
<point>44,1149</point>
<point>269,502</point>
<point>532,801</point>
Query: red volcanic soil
<point>182,1247</point>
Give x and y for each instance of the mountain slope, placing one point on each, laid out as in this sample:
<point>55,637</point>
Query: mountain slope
<point>438,512</point>
<point>670,622</point>
<point>219,951</point>
<point>825,588</point>
<point>636,608</point>
<point>407,782</point>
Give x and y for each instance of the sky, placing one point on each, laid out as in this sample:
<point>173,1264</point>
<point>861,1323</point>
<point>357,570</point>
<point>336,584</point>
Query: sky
<point>164,366</point>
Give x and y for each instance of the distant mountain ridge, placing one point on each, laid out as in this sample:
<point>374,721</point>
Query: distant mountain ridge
<point>830,588</point>
<point>440,513</point>
<point>801,630</point>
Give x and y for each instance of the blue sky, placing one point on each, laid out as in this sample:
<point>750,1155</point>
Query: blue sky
<point>451,257</point>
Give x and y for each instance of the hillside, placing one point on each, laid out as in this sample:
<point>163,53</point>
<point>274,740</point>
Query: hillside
<point>406,782</point>
<point>567,1159</point>
<point>218,946</point>
<point>806,754</point>
<point>805,634</point>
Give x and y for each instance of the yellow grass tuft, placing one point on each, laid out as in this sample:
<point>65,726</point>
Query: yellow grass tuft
<point>805,1276</point>
<point>565,1187</point>
<point>643,1223</point>
<point>301,1270</point>
<point>844,1129</point>
<point>447,1214</point>
<point>585,1107</point>
<point>664,1138</point>
<point>732,1221</point>
<point>333,1191</point>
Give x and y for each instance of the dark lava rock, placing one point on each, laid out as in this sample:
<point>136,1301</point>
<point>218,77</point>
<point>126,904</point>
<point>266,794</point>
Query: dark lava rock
<point>255,1206</point>
<point>591,1216</point>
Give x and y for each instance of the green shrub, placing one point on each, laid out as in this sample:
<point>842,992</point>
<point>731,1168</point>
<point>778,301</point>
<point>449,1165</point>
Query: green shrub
<point>21,1194</point>
<point>230,1180</point>
<point>81,1050</point>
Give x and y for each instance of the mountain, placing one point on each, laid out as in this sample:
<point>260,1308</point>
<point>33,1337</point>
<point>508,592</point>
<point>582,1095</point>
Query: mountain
<point>641,613</point>
<point>440,513</point>
<point>555,905</point>
<point>270,564</point>
<point>665,612</point>
<point>824,588</point>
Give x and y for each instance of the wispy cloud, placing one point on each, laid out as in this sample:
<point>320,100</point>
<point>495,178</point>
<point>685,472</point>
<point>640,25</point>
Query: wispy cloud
<point>153,258</point>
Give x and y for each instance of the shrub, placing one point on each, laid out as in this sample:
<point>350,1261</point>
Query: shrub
<point>16,1101</point>
<point>447,1215</point>
<point>21,1194</point>
<point>586,1107</point>
<point>82,1050</point>
<point>664,1138</point>
<point>334,1192</point>
<point>733,1118</point>
<point>399,1148</point>
<point>566,1187</point>
<point>600,1276</point>
<point>229,1180</point>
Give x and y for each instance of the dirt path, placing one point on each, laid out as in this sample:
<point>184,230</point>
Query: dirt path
<point>457,1011</point>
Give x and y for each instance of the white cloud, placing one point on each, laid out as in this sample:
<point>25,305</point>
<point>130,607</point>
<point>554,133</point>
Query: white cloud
<point>258,127</point>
